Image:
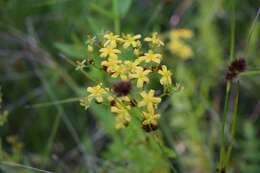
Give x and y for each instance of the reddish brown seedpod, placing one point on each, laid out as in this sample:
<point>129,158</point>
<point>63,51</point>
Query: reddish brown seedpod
<point>122,88</point>
<point>237,66</point>
<point>150,127</point>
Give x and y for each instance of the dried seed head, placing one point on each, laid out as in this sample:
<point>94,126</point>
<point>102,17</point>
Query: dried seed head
<point>91,61</point>
<point>122,88</point>
<point>237,66</point>
<point>150,127</point>
<point>104,67</point>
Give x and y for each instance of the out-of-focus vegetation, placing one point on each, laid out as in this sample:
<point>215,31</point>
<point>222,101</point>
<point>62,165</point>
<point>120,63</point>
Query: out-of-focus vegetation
<point>35,36</point>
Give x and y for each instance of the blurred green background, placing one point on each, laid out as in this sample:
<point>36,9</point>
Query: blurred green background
<point>35,34</point>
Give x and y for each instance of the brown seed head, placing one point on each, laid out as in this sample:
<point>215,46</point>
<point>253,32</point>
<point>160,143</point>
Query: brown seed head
<point>150,127</point>
<point>237,66</point>
<point>122,88</point>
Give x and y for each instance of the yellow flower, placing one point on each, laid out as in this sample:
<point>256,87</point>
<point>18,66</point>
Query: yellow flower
<point>111,64</point>
<point>97,92</point>
<point>122,115</point>
<point>136,51</point>
<point>150,118</point>
<point>150,56</point>
<point>111,39</point>
<point>90,48</point>
<point>85,102</point>
<point>132,65</point>
<point>109,51</point>
<point>178,46</point>
<point>155,40</point>
<point>166,76</point>
<point>120,70</point>
<point>123,99</point>
<point>181,33</point>
<point>149,100</point>
<point>141,76</point>
<point>130,40</point>
<point>181,49</point>
<point>90,43</point>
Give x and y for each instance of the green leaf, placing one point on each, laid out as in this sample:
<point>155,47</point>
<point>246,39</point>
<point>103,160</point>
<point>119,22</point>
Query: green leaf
<point>169,152</point>
<point>70,50</point>
<point>123,7</point>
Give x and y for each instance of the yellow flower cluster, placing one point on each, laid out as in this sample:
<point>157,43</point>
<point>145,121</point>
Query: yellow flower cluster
<point>130,67</point>
<point>178,46</point>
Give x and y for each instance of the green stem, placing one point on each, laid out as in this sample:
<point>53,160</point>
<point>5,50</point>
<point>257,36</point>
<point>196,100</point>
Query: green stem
<point>250,73</point>
<point>116,17</point>
<point>101,10</point>
<point>228,86</point>
<point>56,102</point>
<point>159,143</point>
<point>233,125</point>
<point>222,149</point>
<point>232,30</point>
<point>75,65</point>
<point>12,164</point>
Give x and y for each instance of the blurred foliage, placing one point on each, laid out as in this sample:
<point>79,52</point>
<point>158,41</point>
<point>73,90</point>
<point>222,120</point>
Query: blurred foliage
<point>35,36</point>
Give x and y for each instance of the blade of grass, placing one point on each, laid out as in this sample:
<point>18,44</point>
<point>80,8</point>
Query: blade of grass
<point>253,26</point>
<point>116,17</point>
<point>61,114</point>
<point>233,125</point>
<point>223,123</point>
<point>155,14</point>
<point>57,102</point>
<point>223,153</point>
<point>74,64</point>
<point>101,10</point>
<point>250,73</point>
<point>233,32</point>
<point>23,166</point>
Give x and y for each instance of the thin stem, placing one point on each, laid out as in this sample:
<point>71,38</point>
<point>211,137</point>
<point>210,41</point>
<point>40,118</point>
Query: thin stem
<point>222,149</point>
<point>233,124</point>
<point>232,30</point>
<point>75,65</point>
<point>253,26</point>
<point>101,10</point>
<point>159,143</point>
<point>228,86</point>
<point>155,15</point>
<point>116,17</point>
<point>23,166</point>
<point>56,102</point>
<point>61,114</point>
<point>250,73</point>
